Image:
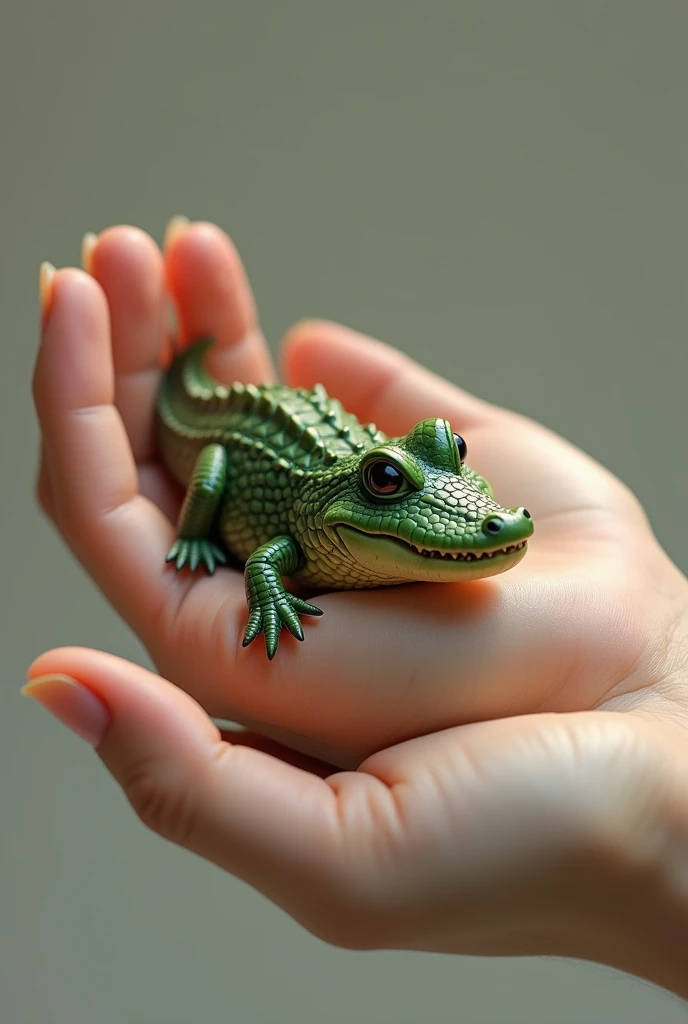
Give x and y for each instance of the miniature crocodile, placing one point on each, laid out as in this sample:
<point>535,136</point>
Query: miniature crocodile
<point>291,484</point>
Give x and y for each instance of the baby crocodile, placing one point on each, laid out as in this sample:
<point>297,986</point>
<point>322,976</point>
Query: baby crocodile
<point>290,483</point>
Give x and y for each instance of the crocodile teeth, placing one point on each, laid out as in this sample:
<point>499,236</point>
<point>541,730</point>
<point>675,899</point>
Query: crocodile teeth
<point>467,556</point>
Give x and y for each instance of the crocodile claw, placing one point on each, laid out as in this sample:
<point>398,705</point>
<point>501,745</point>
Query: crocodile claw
<point>269,615</point>
<point>195,551</point>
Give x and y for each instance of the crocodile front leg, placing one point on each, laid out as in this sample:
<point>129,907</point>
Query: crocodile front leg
<point>270,606</point>
<point>201,502</point>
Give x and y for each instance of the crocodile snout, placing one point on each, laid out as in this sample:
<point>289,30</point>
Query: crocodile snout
<point>509,526</point>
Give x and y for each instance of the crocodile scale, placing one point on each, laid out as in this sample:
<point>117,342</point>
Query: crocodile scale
<point>276,477</point>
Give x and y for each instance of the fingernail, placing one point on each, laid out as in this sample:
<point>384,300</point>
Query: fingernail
<point>88,244</point>
<point>175,226</point>
<point>46,278</point>
<point>306,323</point>
<point>73,704</point>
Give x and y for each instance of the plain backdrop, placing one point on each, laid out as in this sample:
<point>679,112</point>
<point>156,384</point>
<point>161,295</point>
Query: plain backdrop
<point>498,188</point>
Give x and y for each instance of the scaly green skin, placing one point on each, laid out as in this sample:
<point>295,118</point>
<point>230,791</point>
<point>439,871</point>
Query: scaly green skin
<point>281,479</point>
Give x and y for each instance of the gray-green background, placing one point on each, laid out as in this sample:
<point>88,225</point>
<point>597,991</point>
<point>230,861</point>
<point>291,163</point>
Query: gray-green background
<point>496,187</point>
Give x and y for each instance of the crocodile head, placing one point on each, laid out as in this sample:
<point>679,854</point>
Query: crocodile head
<point>415,511</point>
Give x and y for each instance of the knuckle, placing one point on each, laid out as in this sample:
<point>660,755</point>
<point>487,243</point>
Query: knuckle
<point>43,497</point>
<point>342,935</point>
<point>356,912</point>
<point>163,801</point>
<point>357,926</point>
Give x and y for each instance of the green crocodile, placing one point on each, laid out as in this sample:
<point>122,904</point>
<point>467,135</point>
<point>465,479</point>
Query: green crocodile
<point>291,484</point>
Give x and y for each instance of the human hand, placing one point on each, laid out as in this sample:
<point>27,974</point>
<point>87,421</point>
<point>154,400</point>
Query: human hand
<point>534,833</point>
<point>569,629</point>
<point>560,835</point>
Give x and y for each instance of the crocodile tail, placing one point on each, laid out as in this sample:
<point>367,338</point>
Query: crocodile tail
<point>189,410</point>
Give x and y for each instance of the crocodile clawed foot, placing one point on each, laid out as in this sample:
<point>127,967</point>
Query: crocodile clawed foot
<point>195,551</point>
<point>270,615</point>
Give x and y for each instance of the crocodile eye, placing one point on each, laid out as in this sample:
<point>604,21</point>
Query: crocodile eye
<point>383,479</point>
<point>462,446</point>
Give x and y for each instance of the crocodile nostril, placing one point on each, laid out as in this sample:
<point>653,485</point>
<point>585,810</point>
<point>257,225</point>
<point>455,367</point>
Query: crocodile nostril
<point>493,524</point>
<point>525,513</point>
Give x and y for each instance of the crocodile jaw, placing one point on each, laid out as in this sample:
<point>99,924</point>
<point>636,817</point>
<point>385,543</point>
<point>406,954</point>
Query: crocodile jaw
<point>393,558</point>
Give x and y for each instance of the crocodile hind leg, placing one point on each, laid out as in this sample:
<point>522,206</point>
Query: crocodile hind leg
<point>203,495</point>
<point>270,606</point>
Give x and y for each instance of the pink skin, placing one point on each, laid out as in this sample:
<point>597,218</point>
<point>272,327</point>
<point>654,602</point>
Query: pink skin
<point>591,625</point>
<point>564,630</point>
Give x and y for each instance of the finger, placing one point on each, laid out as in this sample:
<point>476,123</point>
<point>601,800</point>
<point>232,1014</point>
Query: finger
<point>156,485</point>
<point>119,536</point>
<point>44,494</point>
<point>122,258</point>
<point>212,296</point>
<point>374,381</point>
<point>275,826</point>
<point>378,383</point>
<point>128,266</point>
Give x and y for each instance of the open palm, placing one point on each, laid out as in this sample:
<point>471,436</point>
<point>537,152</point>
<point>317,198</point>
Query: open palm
<point>564,630</point>
<point>477,810</point>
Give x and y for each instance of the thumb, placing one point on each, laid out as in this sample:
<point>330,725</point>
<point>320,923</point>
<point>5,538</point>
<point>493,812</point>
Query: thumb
<point>274,825</point>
